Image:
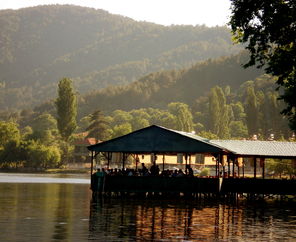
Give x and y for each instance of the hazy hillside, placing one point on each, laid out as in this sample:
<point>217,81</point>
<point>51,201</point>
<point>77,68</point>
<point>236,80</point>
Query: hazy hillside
<point>160,88</point>
<point>41,45</point>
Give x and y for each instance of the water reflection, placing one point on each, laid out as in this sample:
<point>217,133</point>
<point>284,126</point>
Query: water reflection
<point>62,215</point>
<point>182,220</point>
<point>44,212</point>
<point>65,212</point>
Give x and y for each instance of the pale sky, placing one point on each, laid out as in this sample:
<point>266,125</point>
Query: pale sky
<point>166,12</point>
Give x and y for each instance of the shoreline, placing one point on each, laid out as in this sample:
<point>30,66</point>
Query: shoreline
<point>47,171</point>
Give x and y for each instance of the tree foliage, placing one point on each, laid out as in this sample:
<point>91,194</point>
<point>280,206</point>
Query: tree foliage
<point>39,155</point>
<point>122,129</point>
<point>28,153</point>
<point>268,29</point>
<point>279,167</point>
<point>66,107</point>
<point>182,112</point>
<point>214,111</point>
<point>219,113</point>
<point>44,128</point>
<point>231,105</point>
<point>252,113</point>
<point>98,127</point>
<point>9,133</point>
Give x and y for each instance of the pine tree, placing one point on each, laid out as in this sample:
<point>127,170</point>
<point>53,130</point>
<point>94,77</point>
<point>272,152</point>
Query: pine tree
<point>98,127</point>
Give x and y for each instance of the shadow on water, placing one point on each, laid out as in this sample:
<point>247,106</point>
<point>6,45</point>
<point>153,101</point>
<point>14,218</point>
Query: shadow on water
<point>160,220</point>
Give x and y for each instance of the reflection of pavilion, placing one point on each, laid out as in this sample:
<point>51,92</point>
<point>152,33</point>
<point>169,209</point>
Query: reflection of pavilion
<point>231,159</point>
<point>152,220</point>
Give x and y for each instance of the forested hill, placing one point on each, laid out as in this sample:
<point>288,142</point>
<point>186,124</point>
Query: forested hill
<point>160,88</point>
<point>40,45</point>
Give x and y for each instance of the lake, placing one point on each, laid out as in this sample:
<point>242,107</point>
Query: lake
<point>60,208</point>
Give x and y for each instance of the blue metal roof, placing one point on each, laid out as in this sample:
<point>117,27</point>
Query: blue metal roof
<point>157,139</point>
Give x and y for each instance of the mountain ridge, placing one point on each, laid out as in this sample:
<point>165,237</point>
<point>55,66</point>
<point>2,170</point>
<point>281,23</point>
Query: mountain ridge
<point>41,45</point>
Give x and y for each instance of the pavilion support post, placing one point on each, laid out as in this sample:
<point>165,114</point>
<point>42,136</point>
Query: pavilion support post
<point>223,167</point>
<point>186,158</point>
<point>162,162</point>
<point>243,167</point>
<point>91,170</point>
<point>219,161</point>
<point>91,163</point>
<point>238,170</point>
<point>233,167</point>
<point>262,162</point>
<point>109,155</point>
<point>216,167</point>
<point>153,159</point>
<point>137,161</point>
<point>123,160</point>
<point>228,164</point>
<point>255,166</point>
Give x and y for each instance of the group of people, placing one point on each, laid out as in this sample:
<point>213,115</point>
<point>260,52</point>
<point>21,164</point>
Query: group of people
<point>144,171</point>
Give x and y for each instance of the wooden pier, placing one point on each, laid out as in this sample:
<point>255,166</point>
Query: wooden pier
<point>193,186</point>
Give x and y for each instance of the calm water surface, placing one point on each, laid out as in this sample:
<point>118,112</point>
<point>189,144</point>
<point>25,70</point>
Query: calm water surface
<point>55,208</point>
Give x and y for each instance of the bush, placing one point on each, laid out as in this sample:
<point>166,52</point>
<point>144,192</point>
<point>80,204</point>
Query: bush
<point>39,155</point>
<point>205,172</point>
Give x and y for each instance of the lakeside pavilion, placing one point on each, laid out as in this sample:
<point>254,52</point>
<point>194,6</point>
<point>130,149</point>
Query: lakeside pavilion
<point>230,155</point>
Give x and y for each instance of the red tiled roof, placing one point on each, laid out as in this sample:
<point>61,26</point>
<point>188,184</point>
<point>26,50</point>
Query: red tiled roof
<point>86,141</point>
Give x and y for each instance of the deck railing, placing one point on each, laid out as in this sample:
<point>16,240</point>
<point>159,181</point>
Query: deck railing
<point>155,184</point>
<point>193,185</point>
<point>259,186</point>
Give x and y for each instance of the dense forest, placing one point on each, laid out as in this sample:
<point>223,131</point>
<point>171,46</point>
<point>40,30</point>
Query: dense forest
<point>122,75</point>
<point>34,138</point>
<point>215,98</point>
<point>160,88</point>
<point>41,45</point>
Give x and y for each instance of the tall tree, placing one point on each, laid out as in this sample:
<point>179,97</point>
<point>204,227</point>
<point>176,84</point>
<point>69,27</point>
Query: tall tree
<point>219,113</point>
<point>98,127</point>
<point>224,114</point>
<point>66,106</point>
<point>183,116</point>
<point>214,112</point>
<point>238,111</point>
<point>251,109</point>
<point>268,29</point>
